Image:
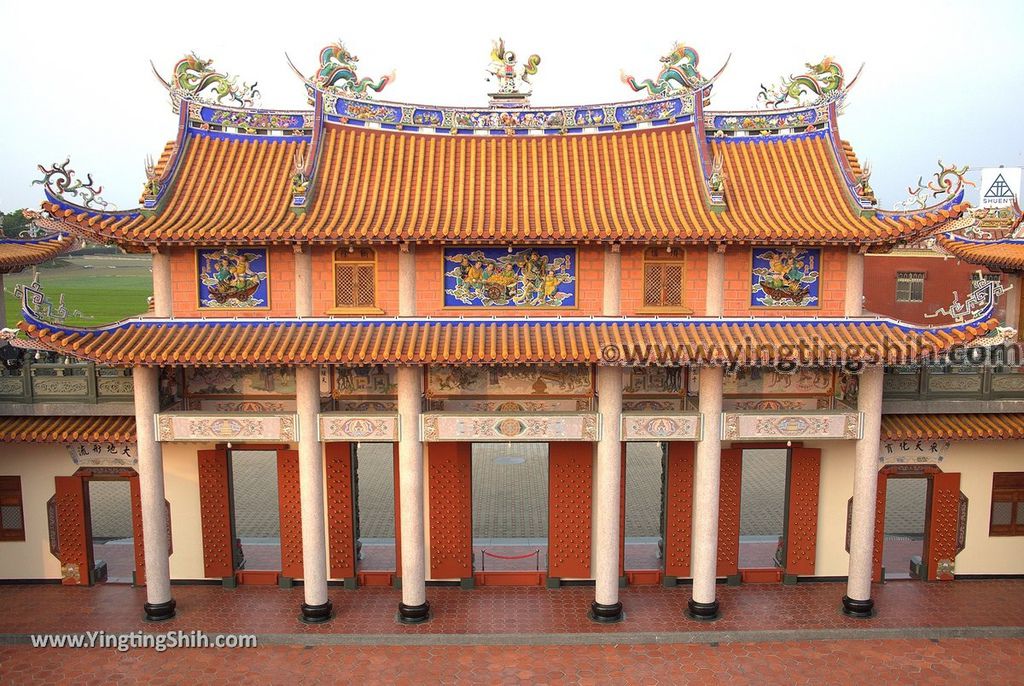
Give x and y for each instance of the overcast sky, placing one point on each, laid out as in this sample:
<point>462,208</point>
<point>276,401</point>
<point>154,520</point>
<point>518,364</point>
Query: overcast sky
<point>942,79</point>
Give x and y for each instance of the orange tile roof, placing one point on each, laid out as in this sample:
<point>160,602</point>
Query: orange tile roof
<point>16,253</point>
<point>641,185</point>
<point>957,427</point>
<point>1006,254</point>
<point>67,429</point>
<point>147,341</point>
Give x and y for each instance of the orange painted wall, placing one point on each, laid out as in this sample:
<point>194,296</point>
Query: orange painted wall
<point>387,280</point>
<point>832,290</point>
<point>184,286</point>
<point>695,276</point>
<point>430,293</point>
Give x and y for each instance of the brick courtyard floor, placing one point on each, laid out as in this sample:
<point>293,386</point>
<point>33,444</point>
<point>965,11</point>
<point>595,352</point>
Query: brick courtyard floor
<point>965,632</point>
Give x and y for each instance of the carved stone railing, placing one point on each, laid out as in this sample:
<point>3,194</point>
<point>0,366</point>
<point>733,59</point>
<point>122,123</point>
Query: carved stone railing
<point>56,382</point>
<point>964,383</point>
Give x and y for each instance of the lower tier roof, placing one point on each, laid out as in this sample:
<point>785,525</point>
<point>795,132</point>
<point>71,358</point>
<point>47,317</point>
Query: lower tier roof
<point>611,341</point>
<point>1005,254</point>
<point>67,429</point>
<point>952,427</point>
<point>18,253</point>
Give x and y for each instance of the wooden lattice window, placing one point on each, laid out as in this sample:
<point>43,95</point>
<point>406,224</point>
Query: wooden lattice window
<point>12,514</point>
<point>909,287</point>
<point>355,278</point>
<point>1007,517</point>
<point>663,277</point>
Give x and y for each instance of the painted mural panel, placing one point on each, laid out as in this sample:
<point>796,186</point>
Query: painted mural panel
<point>749,382</point>
<point>498,277</point>
<point>365,382</point>
<point>516,381</point>
<point>227,381</point>
<point>784,277</point>
<point>233,279</point>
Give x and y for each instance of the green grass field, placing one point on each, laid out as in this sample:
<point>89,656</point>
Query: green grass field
<point>105,288</point>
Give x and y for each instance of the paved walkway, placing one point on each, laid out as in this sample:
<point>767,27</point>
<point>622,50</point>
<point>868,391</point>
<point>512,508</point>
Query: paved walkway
<point>965,632</point>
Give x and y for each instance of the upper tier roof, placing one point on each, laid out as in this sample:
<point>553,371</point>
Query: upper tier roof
<point>355,170</point>
<point>377,185</point>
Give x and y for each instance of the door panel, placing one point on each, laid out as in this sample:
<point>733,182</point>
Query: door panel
<point>570,494</point>
<point>215,512</point>
<point>450,477</point>
<point>678,507</point>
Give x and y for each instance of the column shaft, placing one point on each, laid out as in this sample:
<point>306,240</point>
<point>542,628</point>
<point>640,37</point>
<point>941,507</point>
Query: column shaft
<point>612,281</point>
<point>317,607</point>
<point>854,284</point>
<point>1013,303</point>
<point>414,607</point>
<point>162,298</point>
<point>606,607</point>
<point>159,603</point>
<point>406,281</point>
<point>715,298</point>
<point>857,601</point>
<point>706,482</point>
<point>303,282</point>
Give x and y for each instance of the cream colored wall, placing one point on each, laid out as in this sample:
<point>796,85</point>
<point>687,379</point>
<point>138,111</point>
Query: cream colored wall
<point>976,461</point>
<point>37,465</point>
<point>836,489</point>
<point>181,488</point>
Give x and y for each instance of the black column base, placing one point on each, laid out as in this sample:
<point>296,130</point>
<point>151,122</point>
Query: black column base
<point>860,609</point>
<point>704,612</point>
<point>606,614</point>
<point>316,614</point>
<point>159,612</point>
<point>413,614</point>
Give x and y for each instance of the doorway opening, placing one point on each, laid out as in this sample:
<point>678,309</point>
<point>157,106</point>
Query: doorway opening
<point>645,509</point>
<point>112,540</point>
<point>906,516</point>
<point>762,507</point>
<point>255,510</point>
<point>375,506</point>
<point>510,507</point>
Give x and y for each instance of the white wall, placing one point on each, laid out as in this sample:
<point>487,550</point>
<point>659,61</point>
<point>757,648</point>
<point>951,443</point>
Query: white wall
<point>37,464</point>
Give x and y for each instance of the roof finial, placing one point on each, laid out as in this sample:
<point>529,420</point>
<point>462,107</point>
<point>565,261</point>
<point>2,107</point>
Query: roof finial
<point>512,78</point>
<point>337,72</point>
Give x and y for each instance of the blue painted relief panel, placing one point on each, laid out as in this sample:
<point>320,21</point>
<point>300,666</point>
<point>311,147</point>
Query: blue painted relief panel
<point>784,277</point>
<point>524,277</point>
<point>233,278</point>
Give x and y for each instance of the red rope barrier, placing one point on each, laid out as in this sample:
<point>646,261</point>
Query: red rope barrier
<point>485,554</point>
<point>511,557</point>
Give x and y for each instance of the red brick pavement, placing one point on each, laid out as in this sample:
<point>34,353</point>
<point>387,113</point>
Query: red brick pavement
<point>898,661</point>
<point>522,610</point>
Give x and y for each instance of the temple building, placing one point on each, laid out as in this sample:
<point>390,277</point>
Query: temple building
<point>410,281</point>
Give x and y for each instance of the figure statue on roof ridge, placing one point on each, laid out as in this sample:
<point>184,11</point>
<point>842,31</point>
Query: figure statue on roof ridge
<point>823,80</point>
<point>512,77</point>
<point>679,73</point>
<point>193,76</point>
<point>338,72</point>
